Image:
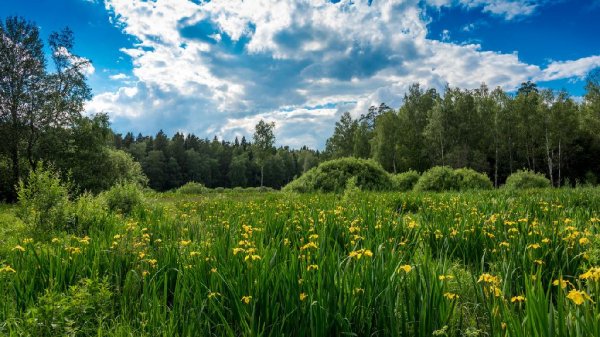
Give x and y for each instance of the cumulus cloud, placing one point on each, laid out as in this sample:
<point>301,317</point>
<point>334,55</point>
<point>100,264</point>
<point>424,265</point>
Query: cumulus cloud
<point>118,77</point>
<point>218,67</point>
<point>509,9</point>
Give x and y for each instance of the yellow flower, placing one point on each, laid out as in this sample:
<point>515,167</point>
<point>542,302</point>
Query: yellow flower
<point>141,255</point>
<point>451,296</point>
<point>407,268</point>
<point>214,294</point>
<point>55,240</point>
<point>185,242</point>
<point>561,282</point>
<point>504,244</point>
<point>309,245</point>
<point>28,240</point>
<point>7,269</point>
<point>578,296</point>
<point>487,278</point>
<point>19,248</point>
<point>252,257</point>
<point>445,277</point>
<point>592,273</point>
<point>546,240</point>
<point>312,267</point>
<point>145,273</point>
<point>584,241</point>
<point>518,299</point>
<point>303,296</point>
<point>238,250</point>
<point>194,254</point>
<point>246,299</point>
<point>358,291</point>
<point>534,246</point>
<point>213,270</point>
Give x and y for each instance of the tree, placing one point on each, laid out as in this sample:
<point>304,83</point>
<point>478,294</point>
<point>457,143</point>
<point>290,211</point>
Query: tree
<point>22,73</point>
<point>341,144</point>
<point>385,140</point>
<point>263,144</point>
<point>32,101</point>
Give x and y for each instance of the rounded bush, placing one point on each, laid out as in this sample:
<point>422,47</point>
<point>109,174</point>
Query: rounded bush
<point>438,178</point>
<point>124,197</point>
<point>524,179</point>
<point>405,181</point>
<point>192,187</point>
<point>469,179</point>
<point>332,176</point>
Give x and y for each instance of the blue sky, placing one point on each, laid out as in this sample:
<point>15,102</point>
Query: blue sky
<point>216,68</point>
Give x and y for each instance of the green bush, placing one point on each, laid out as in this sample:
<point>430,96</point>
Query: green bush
<point>124,197</point>
<point>43,200</point>
<point>469,179</point>
<point>438,178</point>
<point>192,187</point>
<point>526,179</point>
<point>86,213</point>
<point>333,175</point>
<point>405,181</point>
<point>123,168</point>
<point>78,312</point>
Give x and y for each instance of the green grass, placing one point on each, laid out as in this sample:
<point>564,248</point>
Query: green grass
<point>276,264</point>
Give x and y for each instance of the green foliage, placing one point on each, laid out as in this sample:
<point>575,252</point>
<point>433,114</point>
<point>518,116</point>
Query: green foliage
<point>192,188</point>
<point>444,178</point>
<point>469,179</point>
<point>405,181</point>
<point>124,197</point>
<point>79,312</point>
<point>333,175</point>
<point>86,213</point>
<point>526,179</point>
<point>439,178</point>
<point>43,200</point>
<point>123,168</point>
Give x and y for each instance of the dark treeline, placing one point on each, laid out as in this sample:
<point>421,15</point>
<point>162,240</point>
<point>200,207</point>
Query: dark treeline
<point>487,130</point>
<point>170,162</point>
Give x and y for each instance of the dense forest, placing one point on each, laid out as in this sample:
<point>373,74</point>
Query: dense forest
<point>491,131</point>
<point>487,130</point>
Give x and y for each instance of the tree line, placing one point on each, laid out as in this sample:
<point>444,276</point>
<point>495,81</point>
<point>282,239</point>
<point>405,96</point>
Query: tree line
<point>170,162</point>
<point>491,131</point>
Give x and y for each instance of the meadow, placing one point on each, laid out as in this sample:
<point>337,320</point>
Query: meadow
<point>480,263</point>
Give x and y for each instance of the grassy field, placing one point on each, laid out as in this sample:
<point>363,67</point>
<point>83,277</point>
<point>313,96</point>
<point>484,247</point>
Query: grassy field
<point>493,263</point>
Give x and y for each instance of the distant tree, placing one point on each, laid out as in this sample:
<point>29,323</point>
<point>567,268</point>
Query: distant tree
<point>341,144</point>
<point>263,144</point>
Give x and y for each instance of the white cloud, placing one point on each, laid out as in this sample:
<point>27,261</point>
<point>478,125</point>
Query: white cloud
<point>118,77</point>
<point>569,69</point>
<point>509,9</point>
<point>219,66</point>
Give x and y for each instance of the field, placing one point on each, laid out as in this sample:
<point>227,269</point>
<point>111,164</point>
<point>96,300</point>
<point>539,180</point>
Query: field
<point>494,263</point>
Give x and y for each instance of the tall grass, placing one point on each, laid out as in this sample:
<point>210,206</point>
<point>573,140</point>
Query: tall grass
<point>274,264</point>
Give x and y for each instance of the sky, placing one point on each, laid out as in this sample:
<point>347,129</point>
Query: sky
<point>218,67</point>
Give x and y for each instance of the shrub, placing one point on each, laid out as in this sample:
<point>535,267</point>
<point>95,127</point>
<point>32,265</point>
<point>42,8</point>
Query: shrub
<point>86,213</point>
<point>405,181</point>
<point>124,197</point>
<point>332,176</point>
<point>526,179</point>
<point>43,200</point>
<point>469,179</point>
<point>438,178</point>
<point>78,312</point>
<point>124,168</point>
<point>192,188</point>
